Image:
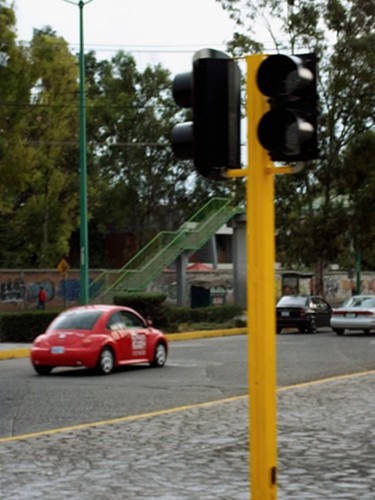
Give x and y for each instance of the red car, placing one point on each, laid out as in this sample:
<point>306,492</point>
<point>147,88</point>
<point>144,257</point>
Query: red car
<point>101,337</point>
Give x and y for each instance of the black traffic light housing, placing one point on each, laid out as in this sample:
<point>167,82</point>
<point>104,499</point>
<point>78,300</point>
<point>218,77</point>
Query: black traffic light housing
<point>288,131</point>
<point>213,91</point>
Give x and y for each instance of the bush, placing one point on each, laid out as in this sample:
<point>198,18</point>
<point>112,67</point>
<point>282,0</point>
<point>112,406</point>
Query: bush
<point>209,314</point>
<point>169,318</point>
<point>149,305</point>
<point>24,327</point>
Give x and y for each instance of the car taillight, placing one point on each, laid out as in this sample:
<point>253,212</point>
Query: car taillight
<point>355,313</point>
<point>40,340</point>
<point>365,313</point>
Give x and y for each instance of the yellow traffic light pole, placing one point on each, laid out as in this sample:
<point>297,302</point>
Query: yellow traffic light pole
<point>260,296</point>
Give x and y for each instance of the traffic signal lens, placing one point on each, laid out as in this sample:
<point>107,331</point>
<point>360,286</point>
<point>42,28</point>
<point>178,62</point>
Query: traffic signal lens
<point>182,89</point>
<point>288,131</point>
<point>182,140</point>
<point>281,76</point>
<point>282,130</point>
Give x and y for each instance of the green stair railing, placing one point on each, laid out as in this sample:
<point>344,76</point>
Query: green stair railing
<point>164,249</point>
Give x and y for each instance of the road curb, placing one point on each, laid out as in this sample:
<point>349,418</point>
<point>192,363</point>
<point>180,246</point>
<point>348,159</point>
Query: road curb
<point>23,352</point>
<point>205,334</point>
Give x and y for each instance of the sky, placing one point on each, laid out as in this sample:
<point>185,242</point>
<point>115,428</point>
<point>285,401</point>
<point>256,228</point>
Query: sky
<point>154,31</point>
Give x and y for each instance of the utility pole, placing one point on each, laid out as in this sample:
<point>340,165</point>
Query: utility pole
<point>84,246</point>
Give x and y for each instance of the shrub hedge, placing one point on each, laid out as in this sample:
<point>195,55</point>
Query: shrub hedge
<point>25,326</point>
<point>149,305</point>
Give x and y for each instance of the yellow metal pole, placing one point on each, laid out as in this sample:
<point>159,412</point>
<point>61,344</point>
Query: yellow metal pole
<point>260,299</point>
<point>261,325</point>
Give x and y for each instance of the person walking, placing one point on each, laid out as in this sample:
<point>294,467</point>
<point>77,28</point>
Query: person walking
<point>42,297</point>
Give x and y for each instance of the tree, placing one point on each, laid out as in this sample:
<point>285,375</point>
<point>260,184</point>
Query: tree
<point>358,190</point>
<point>14,155</point>
<point>134,183</point>
<point>143,188</point>
<point>39,185</point>
<point>308,209</point>
<point>49,212</point>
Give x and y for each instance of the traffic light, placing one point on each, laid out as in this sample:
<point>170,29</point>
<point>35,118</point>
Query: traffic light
<point>288,131</point>
<point>213,91</point>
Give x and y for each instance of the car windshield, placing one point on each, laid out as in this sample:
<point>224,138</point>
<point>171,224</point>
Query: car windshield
<point>291,301</point>
<point>79,320</point>
<point>360,302</point>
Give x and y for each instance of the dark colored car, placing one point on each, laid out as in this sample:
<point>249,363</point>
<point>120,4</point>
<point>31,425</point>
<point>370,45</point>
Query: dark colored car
<point>307,313</point>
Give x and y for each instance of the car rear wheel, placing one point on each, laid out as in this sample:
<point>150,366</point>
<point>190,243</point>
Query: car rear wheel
<point>106,361</point>
<point>311,327</point>
<point>160,356</point>
<point>43,370</point>
<point>339,331</point>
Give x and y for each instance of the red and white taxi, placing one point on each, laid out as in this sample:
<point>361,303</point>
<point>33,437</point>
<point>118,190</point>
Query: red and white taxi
<point>101,337</point>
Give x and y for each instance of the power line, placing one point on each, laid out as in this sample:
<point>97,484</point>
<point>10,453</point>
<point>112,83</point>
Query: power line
<point>138,48</point>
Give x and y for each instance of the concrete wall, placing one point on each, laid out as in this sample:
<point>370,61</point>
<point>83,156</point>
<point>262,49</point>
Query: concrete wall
<point>19,288</point>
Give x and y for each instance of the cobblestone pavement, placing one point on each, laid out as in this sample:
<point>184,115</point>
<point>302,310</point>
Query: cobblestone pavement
<point>326,450</point>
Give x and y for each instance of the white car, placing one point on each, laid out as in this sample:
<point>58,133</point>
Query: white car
<point>357,313</point>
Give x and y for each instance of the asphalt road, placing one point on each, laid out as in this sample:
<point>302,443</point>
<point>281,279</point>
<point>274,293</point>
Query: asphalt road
<point>196,371</point>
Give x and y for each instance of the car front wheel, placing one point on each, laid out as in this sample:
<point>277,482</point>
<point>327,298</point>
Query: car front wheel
<point>339,331</point>
<point>160,356</point>
<point>106,361</point>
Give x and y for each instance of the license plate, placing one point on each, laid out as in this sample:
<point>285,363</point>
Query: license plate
<point>350,315</point>
<point>285,313</point>
<point>57,349</point>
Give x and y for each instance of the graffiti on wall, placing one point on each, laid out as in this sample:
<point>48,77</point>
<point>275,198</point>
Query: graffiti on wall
<point>68,290</point>
<point>12,290</point>
<point>20,291</point>
<point>332,286</point>
<point>17,291</point>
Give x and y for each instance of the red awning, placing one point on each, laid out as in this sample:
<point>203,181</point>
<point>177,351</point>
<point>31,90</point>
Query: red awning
<point>199,266</point>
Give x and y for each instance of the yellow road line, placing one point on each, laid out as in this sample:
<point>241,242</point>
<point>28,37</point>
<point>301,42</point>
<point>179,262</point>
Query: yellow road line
<point>326,380</point>
<point>179,409</point>
<point>121,419</point>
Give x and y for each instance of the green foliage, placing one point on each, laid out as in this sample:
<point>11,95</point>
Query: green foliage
<point>211,314</point>
<point>39,187</point>
<point>358,190</point>
<point>135,184</point>
<point>313,208</point>
<point>25,327</point>
<point>170,318</point>
<point>149,305</point>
